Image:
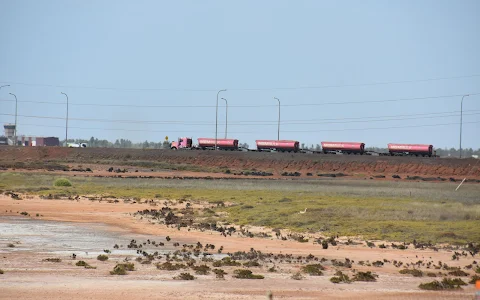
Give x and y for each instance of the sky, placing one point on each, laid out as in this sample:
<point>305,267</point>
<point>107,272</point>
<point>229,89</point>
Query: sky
<point>376,72</point>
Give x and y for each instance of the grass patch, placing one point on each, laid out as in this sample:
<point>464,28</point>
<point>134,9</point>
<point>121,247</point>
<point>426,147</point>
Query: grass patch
<point>62,182</point>
<point>374,210</point>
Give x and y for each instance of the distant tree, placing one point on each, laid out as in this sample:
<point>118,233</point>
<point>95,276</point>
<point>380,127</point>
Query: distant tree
<point>244,145</point>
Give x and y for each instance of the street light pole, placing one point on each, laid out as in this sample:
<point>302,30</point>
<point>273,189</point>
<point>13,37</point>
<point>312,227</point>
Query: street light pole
<point>461,121</point>
<point>66,123</point>
<point>226,116</point>
<point>278,133</point>
<point>15,135</point>
<point>216,118</point>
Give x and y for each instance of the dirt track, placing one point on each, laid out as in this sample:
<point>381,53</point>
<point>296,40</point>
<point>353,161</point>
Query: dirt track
<point>260,161</point>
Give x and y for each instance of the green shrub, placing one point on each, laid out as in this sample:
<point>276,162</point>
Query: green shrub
<point>458,273</point>
<point>414,272</point>
<point>102,257</point>
<point>168,266</point>
<point>62,182</point>
<point>445,284</point>
<point>201,270</point>
<point>81,263</point>
<point>184,276</point>
<point>246,274</point>
<point>11,245</point>
<point>365,276</point>
<point>313,270</point>
<point>340,277</point>
<point>119,270</point>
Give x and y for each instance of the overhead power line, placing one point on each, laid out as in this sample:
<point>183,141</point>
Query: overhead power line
<point>241,89</point>
<point>250,132</point>
<point>267,123</point>
<point>245,106</point>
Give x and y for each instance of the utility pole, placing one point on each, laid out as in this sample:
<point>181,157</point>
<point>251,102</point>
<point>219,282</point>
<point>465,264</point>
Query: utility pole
<point>66,123</point>
<point>216,118</point>
<point>278,131</point>
<point>16,105</point>
<point>226,116</point>
<point>461,121</point>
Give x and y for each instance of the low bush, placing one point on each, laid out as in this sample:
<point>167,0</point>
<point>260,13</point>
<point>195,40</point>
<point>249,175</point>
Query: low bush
<point>62,182</point>
<point>201,270</point>
<point>1,271</point>
<point>445,284</point>
<point>220,274</point>
<point>52,260</point>
<point>246,274</point>
<point>365,276</point>
<point>249,264</point>
<point>313,270</point>
<point>474,279</point>
<point>184,276</point>
<point>414,272</point>
<point>340,277</point>
<point>298,276</point>
<point>81,263</point>
<point>168,266</point>
<point>458,273</point>
<point>119,270</point>
<point>102,257</point>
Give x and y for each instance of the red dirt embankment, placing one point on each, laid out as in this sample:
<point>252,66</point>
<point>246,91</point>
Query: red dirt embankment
<point>241,161</point>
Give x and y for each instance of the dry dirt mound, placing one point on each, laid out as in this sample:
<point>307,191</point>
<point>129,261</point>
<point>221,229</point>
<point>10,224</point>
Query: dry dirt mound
<point>274,162</point>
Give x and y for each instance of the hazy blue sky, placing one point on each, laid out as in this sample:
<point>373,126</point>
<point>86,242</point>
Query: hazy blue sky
<point>167,53</point>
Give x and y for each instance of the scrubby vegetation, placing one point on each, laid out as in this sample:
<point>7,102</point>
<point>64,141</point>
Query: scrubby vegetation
<point>365,276</point>
<point>298,276</point>
<point>313,270</point>
<point>62,182</point>
<point>445,284</point>
<point>56,260</point>
<point>102,257</point>
<point>82,263</point>
<point>246,274</point>
<point>340,278</point>
<point>414,272</point>
<point>184,276</point>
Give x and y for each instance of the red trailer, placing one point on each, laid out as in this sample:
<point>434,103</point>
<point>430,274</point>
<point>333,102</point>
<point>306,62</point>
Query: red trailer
<point>281,145</point>
<point>223,144</point>
<point>344,147</point>
<point>410,149</point>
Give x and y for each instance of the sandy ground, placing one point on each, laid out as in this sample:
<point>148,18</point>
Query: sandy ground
<point>28,277</point>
